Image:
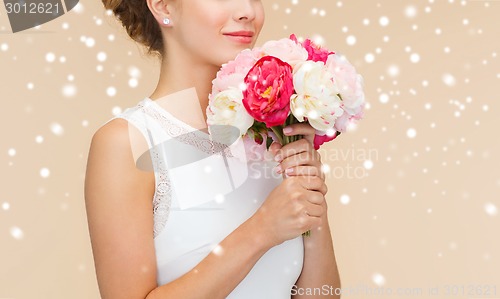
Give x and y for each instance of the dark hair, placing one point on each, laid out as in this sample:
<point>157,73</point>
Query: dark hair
<point>139,22</point>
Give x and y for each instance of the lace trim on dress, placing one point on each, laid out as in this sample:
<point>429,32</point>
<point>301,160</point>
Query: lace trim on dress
<point>162,198</point>
<point>194,138</point>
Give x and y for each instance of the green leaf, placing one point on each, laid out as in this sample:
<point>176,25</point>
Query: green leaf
<point>269,141</point>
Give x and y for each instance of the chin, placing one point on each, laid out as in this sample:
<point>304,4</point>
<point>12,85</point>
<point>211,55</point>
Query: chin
<point>232,55</point>
<point>228,55</point>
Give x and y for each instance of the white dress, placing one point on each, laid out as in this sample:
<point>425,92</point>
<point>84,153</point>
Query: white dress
<point>201,196</point>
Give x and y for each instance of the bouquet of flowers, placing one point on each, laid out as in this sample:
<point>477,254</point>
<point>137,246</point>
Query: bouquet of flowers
<point>266,88</point>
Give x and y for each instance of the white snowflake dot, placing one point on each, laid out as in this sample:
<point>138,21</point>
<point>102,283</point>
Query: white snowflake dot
<point>116,110</point>
<point>101,56</point>
<point>415,58</point>
<point>351,40</point>
<point>411,11</point>
<point>378,279</point>
<point>16,233</point>
<point>384,98</point>
<point>393,70</point>
<point>69,90</point>
<point>50,57</point>
<point>490,209</point>
<point>383,21</point>
<point>219,198</point>
<point>449,80</point>
<point>134,72</point>
<point>411,133</point>
<point>44,172</point>
<point>345,199</point>
<point>325,168</point>
<point>57,129</point>
<point>369,58</point>
<point>132,82</point>
<point>89,42</point>
<point>111,91</point>
<point>79,8</point>
<point>218,250</point>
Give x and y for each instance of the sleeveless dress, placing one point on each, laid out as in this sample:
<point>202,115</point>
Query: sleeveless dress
<point>202,194</point>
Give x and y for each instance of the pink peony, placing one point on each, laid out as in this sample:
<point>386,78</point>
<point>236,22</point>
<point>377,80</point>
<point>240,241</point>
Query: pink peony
<point>320,139</point>
<point>232,73</point>
<point>255,145</point>
<point>349,84</point>
<point>269,88</point>
<point>342,122</point>
<point>315,52</point>
<point>285,50</point>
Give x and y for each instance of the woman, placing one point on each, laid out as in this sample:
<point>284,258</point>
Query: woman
<point>146,244</point>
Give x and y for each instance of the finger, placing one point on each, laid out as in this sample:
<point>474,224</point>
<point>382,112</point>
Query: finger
<point>310,222</point>
<point>303,158</point>
<point>293,148</point>
<point>303,128</point>
<point>303,170</point>
<point>313,210</point>
<point>274,148</point>
<point>314,197</point>
<point>313,183</point>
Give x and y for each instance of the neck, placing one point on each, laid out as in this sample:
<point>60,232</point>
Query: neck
<point>175,76</point>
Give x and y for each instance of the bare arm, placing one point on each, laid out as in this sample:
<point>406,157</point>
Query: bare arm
<point>320,276</point>
<point>320,267</point>
<point>118,199</point>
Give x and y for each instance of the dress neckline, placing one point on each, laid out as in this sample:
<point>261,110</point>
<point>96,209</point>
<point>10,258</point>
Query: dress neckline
<point>177,120</point>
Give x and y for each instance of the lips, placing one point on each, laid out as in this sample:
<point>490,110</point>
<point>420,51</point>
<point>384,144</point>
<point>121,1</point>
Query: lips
<point>240,33</point>
<point>241,37</point>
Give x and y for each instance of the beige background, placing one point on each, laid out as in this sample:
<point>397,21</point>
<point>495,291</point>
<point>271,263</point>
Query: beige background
<point>408,213</point>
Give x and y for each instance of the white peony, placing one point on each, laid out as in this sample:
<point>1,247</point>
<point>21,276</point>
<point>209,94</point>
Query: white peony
<point>226,108</point>
<point>316,96</point>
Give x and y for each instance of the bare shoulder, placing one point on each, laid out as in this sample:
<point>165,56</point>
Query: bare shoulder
<point>118,200</point>
<point>112,158</point>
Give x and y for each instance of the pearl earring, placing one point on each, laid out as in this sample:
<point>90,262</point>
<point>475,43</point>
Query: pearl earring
<point>166,21</point>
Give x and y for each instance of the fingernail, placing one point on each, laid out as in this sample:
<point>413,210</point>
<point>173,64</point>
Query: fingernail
<point>289,170</point>
<point>287,130</point>
<point>277,169</point>
<point>277,157</point>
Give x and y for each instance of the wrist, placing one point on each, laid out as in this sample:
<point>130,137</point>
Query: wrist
<point>259,232</point>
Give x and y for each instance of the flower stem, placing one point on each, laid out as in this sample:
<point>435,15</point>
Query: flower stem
<point>278,130</point>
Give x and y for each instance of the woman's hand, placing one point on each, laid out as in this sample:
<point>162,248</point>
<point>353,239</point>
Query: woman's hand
<point>295,206</point>
<point>298,157</point>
